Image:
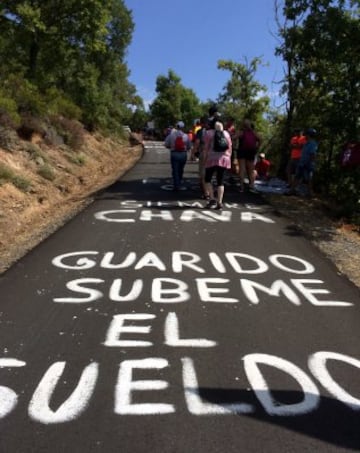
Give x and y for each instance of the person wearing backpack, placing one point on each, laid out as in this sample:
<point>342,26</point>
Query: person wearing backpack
<point>179,144</point>
<point>249,142</point>
<point>217,159</point>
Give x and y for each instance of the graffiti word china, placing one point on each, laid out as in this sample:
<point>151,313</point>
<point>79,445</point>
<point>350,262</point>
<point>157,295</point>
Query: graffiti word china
<point>131,211</point>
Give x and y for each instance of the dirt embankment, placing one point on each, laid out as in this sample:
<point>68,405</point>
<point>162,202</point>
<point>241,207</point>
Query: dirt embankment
<point>43,186</point>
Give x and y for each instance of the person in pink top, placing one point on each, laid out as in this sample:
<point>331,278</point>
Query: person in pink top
<point>216,162</point>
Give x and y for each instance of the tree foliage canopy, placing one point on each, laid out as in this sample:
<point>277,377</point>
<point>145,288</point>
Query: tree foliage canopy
<point>76,47</point>
<point>243,96</point>
<point>320,45</point>
<point>174,102</point>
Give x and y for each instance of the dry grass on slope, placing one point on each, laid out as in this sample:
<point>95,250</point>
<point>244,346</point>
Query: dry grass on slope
<point>43,186</point>
<point>339,241</point>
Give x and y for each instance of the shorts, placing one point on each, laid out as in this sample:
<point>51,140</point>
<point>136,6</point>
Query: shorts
<point>304,173</point>
<point>293,164</point>
<point>247,154</point>
<point>220,171</point>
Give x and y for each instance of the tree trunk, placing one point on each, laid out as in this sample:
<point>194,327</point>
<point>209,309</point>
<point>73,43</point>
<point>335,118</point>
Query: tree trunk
<point>33,57</point>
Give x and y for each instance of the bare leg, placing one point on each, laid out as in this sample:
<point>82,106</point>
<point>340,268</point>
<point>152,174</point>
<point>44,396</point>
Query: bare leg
<point>220,194</point>
<point>204,187</point>
<point>250,167</point>
<point>242,169</point>
<point>209,190</point>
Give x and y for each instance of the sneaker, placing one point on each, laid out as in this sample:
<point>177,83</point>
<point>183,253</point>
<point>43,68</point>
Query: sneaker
<point>219,206</point>
<point>253,190</point>
<point>205,197</point>
<point>211,204</point>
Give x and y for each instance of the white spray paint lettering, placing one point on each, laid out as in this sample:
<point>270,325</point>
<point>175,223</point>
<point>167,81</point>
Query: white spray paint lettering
<point>166,290</point>
<point>188,215</point>
<point>79,401</point>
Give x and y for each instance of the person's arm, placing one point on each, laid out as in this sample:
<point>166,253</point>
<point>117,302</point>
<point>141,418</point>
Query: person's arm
<point>207,144</point>
<point>195,148</point>
<point>188,143</point>
<point>238,134</point>
<point>228,137</point>
<point>258,140</point>
<point>168,141</point>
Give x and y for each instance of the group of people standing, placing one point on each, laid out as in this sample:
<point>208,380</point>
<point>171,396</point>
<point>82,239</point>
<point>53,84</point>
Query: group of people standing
<point>213,157</point>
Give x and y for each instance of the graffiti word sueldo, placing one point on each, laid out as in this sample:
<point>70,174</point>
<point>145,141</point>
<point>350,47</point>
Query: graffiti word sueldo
<point>294,288</point>
<point>128,389</point>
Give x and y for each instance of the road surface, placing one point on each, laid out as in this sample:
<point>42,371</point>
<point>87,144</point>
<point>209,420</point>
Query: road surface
<point>150,324</point>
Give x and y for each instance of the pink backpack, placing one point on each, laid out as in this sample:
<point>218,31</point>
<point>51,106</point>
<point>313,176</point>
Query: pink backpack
<point>248,139</point>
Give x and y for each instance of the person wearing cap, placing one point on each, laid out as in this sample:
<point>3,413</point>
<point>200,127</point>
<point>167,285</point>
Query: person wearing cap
<point>179,144</point>
<point>262,168</point>
<point>306,167</point>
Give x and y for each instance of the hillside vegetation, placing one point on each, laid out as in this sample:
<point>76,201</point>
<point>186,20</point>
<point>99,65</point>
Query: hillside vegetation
<point>43,185</point>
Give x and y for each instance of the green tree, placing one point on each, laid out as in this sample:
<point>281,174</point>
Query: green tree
<point>173,102</point>
<point>243,96</point>
<point>77,47</point>
<point>139,119</point>
<point>320,46</point>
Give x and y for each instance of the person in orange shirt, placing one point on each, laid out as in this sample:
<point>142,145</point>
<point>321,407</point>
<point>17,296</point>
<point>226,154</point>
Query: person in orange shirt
<point>297,142</point>
<point>196,127</point>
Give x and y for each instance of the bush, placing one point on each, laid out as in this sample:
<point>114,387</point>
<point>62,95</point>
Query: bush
<point>71,131</point>
<point>8,139</point>
<point>26,95</point>
<point>8,175</point>
<point>59,105</point>
<point>341,186</point>
<point>30,125</point>
<point>35,152</point>
<point>46,172</point>
<point>9,116</point>
<point>77,159</point>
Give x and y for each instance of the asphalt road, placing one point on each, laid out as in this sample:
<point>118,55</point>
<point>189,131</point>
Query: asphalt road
<point>150,324</point>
